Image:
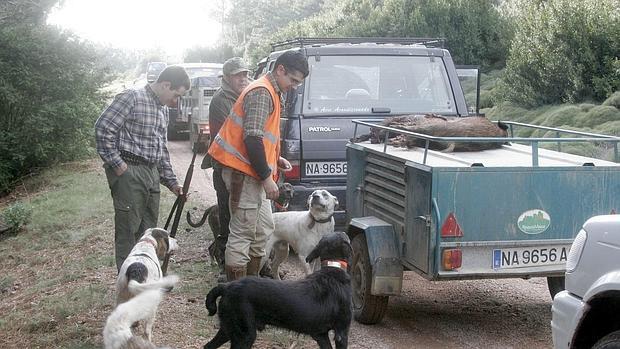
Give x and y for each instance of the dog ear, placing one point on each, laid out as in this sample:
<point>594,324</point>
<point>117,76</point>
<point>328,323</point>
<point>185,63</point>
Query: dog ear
<point>335,202</point>
<point>314,253</point>
<point>163,244</point>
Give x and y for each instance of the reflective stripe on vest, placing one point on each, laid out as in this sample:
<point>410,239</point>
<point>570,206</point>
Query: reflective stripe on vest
<point>239,121</point>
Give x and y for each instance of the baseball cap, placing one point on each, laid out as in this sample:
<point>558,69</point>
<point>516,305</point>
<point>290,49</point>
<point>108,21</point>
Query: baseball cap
<point>234,65</point>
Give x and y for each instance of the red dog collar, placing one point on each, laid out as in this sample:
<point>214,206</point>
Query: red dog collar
<point>335,264</point>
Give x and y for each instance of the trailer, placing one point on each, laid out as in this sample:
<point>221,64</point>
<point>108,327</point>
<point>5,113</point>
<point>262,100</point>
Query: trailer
<point>510,212</point>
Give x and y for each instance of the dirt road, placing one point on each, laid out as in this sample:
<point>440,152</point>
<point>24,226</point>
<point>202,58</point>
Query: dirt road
<point>510,313</point>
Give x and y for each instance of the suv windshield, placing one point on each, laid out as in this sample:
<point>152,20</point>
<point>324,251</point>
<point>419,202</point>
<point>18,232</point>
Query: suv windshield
<point>357,84</point>
<point>156,66</point>
<point>206,81</point>
<point>202,71</point>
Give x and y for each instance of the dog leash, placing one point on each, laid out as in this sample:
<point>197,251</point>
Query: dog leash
<point>177,210</point>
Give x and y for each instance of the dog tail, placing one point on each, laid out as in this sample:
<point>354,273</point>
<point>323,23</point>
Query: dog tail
<point>202,220</point>
<point>212,297</point>
<point>117,331</point>
<point>166,283</point>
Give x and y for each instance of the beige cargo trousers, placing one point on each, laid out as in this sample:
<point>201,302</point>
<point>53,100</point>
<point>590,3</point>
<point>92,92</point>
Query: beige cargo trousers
<point>251,222</point>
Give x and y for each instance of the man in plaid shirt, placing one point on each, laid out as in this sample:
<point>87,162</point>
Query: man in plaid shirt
<point>131,141</point>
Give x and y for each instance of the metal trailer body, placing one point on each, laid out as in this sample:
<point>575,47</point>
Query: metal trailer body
<point>500,213</point>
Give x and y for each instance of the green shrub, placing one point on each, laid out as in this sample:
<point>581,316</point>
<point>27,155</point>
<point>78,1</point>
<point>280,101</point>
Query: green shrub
<point>49,99</point>
<point>563,115</point>
<point>564,51</point>
<point>611,128</point>
<point>487,100</point>
<point>613,100</point>
<point>586,106</point>
<point>16,216</point>
<point>598,115</point>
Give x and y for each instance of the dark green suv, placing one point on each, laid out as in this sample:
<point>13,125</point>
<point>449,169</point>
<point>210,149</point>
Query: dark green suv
<point>356,78</point>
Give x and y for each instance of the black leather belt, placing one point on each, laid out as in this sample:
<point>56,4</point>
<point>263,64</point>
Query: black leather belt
<point>133,159</point>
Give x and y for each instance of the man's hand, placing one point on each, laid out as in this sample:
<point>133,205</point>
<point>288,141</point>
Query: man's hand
<point>177,190</point>
<point>121,169</point>
<point>284,164</point>
<point>271,188</point>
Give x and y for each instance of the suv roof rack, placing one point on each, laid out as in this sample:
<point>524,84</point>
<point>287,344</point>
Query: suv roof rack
<point>303,41</point>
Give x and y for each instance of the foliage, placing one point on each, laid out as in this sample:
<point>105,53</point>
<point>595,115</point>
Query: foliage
<point>216,54</point>
<point>16,216</point>
<point>249,23</point>
<point>49,99</point>
<point>475,32</point>
<point>32,12</point>
<point>564,51</point>
<point>613,100</point>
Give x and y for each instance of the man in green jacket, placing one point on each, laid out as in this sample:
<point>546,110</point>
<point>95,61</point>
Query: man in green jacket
<point>234,80</point>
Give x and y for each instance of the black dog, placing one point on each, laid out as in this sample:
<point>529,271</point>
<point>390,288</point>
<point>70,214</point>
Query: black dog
<point>315,305</point>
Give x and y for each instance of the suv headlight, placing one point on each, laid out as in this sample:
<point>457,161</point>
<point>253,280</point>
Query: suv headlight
<point>575,251</point>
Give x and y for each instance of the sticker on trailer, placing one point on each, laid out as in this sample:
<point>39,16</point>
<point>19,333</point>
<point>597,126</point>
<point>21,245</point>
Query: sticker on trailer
<point>534,221</point>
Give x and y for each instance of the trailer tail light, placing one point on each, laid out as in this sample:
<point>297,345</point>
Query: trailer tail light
<point>450,227</point>
<point>294,173</point>
<point>452,258</point>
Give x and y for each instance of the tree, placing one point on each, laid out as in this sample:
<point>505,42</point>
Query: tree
<point>564,51</point>
<point>49,95</point>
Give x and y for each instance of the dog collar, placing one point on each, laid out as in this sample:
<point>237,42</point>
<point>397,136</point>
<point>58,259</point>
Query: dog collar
<point>335,264</point>
<point>150,241</point>
<point>314,220</point>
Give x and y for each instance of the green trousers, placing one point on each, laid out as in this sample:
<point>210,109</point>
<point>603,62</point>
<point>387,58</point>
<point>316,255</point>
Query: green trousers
<point>135,195</point>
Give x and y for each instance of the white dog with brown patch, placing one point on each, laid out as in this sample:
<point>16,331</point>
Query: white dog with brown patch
<point>141,269</point>
<point>117,332</point>
<point>302,230</point>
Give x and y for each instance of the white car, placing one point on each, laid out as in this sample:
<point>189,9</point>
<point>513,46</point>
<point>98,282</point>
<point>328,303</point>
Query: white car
<point>587,313</point>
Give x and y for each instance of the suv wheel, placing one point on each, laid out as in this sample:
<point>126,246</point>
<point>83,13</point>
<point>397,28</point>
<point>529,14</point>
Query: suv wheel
<point>610,341</point>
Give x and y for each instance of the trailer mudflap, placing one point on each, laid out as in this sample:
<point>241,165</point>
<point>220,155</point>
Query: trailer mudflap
<point>382,245</point>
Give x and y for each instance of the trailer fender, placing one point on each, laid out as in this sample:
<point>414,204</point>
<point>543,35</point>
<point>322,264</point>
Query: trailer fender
<point>383,253</point>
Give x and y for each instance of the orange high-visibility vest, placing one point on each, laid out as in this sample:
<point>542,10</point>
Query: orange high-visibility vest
<point>228,147</point>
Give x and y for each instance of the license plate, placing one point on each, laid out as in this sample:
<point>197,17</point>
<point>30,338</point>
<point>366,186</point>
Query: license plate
<point>524,257</point>
<point>332,168</point>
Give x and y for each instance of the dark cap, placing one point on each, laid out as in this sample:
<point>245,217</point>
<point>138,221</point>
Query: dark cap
<point>234,65</point>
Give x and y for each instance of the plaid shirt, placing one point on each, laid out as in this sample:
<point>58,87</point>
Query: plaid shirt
<point>136,122</point>
<point>258,105</point>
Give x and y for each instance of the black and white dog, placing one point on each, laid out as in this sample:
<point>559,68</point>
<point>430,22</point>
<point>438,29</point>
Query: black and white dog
<point>142,270</point>
<point>315,305</point>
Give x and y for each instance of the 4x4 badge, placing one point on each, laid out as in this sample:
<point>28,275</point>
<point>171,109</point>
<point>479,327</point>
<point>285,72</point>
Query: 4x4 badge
<point>323,129</point>
<point>534,221</point>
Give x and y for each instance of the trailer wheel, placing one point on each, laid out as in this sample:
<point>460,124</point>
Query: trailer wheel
<point>555,285</point>
<point>367,308</point>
